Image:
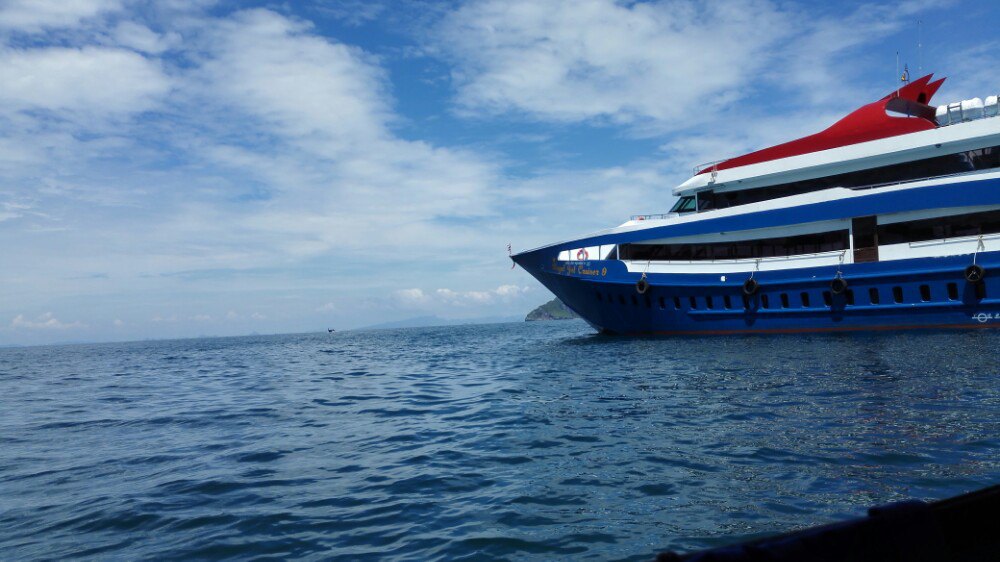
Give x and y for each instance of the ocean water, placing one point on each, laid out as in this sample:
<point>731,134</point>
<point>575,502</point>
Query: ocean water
<point>503,442</point>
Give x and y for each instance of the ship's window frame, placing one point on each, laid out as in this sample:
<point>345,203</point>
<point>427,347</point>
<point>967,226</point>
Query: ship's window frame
<point>985,158</point>
<point>685,204</point>
<point>897,294</point>
<point>873,296</point>
<point>804,298</point>
<point>775,247</point>
<point>940,228</point>
<point>953,291</point>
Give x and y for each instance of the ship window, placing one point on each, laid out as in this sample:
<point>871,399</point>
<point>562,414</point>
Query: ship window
<point>708,302</point>
<point>834,241</point>
<point>599,297</point>
<point>621,300</point>
<point>784,300</point>
<point>827,298</point>
<point>805,299</point>
<point>649,303</point>
<point>849,295</point>
<point>980,290</point>
<point>764,301</point>
<point>940,228</point>
<point>677,303</point>
<point>609,298</point>
<point>979,159</point>
<point>925,293</point>
<point>663,303</point>
<point>635,301</point>
<point>694,303</point>
<point>685,204</point>
<point>873,295</point>
<point>897,295</point>
<point>953,291</point>
<point>727,302</point>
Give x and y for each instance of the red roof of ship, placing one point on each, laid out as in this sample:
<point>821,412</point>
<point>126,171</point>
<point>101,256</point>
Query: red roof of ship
<point>867,123</point>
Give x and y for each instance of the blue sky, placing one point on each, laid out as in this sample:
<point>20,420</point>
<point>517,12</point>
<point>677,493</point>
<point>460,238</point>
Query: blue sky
<point>184,168</point>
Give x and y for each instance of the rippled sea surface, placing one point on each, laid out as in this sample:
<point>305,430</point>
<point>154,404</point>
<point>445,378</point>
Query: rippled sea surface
<point>511,441</point>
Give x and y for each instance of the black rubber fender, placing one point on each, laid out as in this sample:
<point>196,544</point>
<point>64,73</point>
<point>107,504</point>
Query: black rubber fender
<point>641,286</point>
<point>838,285</point>
<point>975,273</point>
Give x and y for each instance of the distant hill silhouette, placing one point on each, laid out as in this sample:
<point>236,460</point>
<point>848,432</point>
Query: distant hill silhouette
<point>552,310</point>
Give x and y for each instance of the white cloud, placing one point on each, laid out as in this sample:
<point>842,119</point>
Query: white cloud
<point>338,171</point>
<point>118,323</point>
<point>448,297</point>
<point>328,307</point>
<point>141,38</point>
<point>258,316</point>
<point>35,15</point>
<point>201,318</point>
<point>11,211</point>
<point>300,84</point>
<point>46,321</point>
<point>411,296</point>
<point>655,66</point>
<point>87,81</point>
<point>580,59</point>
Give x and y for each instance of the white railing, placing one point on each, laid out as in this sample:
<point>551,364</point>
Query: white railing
<point>706,165</point>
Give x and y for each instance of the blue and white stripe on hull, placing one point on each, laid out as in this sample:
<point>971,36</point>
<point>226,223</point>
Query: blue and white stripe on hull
<point>932,293</point>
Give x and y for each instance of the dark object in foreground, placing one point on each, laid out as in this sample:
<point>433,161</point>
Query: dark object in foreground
<point>963,528</point>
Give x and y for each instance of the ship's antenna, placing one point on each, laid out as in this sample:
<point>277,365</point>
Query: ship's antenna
<point>897,73</point>
<point>920,47</point>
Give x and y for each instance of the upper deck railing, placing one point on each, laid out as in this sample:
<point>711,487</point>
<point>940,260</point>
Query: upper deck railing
<point>697,169</point>
<point>655,216</point>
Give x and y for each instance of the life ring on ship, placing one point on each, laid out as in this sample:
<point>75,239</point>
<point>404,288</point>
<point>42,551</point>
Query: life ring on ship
<point>974,273</point>
<point>750,286</point>
<point>641,286</point>
<point>582,254</point>
<point>838,285</point>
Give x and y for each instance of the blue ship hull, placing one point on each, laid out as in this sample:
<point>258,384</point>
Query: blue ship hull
<point>916,293</point>
<point>905,293</point>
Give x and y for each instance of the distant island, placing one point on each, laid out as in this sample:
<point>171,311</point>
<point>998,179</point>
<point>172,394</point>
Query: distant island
<point>552,310</point>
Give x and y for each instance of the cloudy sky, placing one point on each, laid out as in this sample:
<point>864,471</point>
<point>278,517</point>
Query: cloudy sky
<point>189,167</point>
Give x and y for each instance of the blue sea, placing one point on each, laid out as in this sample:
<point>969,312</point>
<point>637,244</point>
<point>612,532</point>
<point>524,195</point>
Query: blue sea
<point>535,441</point>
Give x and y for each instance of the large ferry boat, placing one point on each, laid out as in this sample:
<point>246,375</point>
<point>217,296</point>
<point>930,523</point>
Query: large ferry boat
<point>888,219</point>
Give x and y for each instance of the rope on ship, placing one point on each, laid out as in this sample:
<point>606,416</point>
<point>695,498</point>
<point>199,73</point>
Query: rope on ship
<point>975,273</point>
<point>839,284</point>
<point>751,285</point>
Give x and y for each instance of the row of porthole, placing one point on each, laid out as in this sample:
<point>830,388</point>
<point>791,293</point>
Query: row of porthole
<point>874,298</point>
